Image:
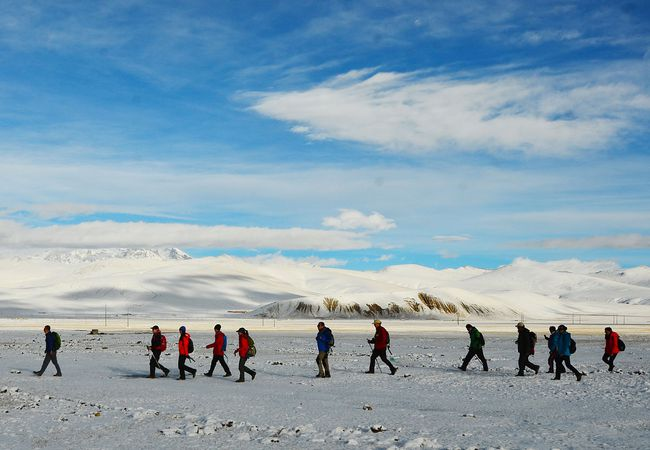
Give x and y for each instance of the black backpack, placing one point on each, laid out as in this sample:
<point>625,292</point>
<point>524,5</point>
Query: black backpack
<point>481,339</point>
<point>621,344</point>
<point>572,346</point>
<point>533,341</point>
<point>190,346</point>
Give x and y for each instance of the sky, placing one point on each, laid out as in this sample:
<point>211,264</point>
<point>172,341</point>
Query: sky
<point>346,134</point>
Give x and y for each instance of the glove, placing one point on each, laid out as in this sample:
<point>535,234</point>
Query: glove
<point>369,341</point>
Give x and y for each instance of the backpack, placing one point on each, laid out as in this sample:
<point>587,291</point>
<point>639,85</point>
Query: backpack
<point>572,346</point>
<point>621,345</point>
<point>225,343</point>
<point>163,343</point>
<point>481,339</point>
<point>252,351</point>
<point>57,340</point>
<point>190,346</point>
<point>533,341</point>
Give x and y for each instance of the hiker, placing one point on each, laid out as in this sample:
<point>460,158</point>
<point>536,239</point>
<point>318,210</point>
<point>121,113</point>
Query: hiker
<point>52,344</point>
<point>611,348</point>
<point>476,343</point>
<point>218,349</point>
<point>158,345</point>
<point>526,347</point>
<point>552,355</point>
<point>324,340</point>
<point>382,342</point>
<point>244,351</point>
<point>185,347</point>
<point>563,348</point>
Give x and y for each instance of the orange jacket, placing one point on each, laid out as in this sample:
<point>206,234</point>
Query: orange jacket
<point>243,346</point>
<point>217,345</point>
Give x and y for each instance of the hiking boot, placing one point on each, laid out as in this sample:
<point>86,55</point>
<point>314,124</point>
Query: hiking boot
<point>166,372</point>
<point>536,369</point>
<point>550,371</point>
<point>320,376</point>
<point>239,381</point>
<point>227,375</point>
<point>253,375</point>
<point>555,378</point>
<point>327,375</point>
<point>611,369</point>
<point>58,374</point>
<point>485,369</point>
<point>462,368</point>
<point>194,374</point>
<point>151,376</point>
<point>208,374</point>
<point>579,377</point>
<point>520,374</point>
<point>393,370</point>
<point>36,372</point>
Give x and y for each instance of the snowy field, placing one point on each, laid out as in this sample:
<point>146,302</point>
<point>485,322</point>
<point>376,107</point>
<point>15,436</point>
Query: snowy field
<point>104,400</point>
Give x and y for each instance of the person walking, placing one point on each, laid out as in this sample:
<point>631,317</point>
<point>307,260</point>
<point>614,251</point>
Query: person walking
<point>324,340</point>
<point>526,347</point>
<point>244,351</point>
<point>476,343</point>
<point>381,342</point>
<point>158,345</point>
<point>185,347</point>
<point>563,349</point>
<point>218,349</point>
<point>612,348</point>
<point>52,344</point>
<point>552,354</point>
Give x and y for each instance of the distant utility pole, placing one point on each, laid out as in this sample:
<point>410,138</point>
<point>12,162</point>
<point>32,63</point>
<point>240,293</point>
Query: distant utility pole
<point>105,315</point>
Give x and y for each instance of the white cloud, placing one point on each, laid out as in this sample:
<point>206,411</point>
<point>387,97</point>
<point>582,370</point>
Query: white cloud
<point>527,112</point>
<point>385,258</point>
<point>110,234</point>
<point>625,241</point>
<point>444,238</point>
<point>351,219</point>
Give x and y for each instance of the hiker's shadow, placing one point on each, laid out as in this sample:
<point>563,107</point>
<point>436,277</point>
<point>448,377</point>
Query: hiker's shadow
<point>121,372</point>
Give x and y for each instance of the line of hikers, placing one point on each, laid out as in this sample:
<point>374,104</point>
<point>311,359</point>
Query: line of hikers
<point>560,344</point>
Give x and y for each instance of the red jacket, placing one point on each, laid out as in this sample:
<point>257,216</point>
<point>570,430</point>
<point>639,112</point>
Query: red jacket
<point>381,338</point>
<point>184,344</point>
<point>158,342</point>
<point>217,345</point>
<point>611,343</point>
<point>243,346</point>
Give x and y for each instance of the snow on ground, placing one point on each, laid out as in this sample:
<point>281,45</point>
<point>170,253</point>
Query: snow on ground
<point>104,400</point>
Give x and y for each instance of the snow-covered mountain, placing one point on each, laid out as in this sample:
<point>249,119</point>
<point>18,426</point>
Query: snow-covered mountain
<point>169,282</point>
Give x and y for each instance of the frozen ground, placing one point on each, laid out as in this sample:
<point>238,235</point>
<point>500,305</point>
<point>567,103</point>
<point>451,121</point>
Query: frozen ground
<point>104,400</point>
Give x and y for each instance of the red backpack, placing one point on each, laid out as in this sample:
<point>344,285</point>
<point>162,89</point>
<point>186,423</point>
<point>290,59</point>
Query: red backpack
<point>163,343</point>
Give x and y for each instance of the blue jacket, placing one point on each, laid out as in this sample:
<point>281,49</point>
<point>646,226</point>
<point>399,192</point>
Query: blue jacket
<point>324,339</point>
<point>552,340</point>
<point>49,342</point>
<point>563,343</point>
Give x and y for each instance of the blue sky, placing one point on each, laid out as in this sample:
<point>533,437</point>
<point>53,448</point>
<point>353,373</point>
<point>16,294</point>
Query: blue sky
<point>354,134</point>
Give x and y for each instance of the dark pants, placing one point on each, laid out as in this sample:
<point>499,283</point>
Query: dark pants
<point>50,356</point>
<point>213,364</point>
<point>154,362</point>
<point>243,368</point>
<point>182,367</point>
<point>523,363</point>
<point>609,360</point>
<point>470,354</point>
<point>552,359</point>
<point>323,364</point>
<point>567,362</point>
<point>382,355</point>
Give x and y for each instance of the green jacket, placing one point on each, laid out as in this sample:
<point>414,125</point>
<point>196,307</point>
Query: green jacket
<point>475,339</point>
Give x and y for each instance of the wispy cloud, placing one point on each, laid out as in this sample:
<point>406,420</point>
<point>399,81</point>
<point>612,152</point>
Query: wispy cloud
<point>626,241</point>
<point>108,234</point>
<point>350,219</point>
<point>527,112</point>
<point>279,258</point>
<point>451,238</point>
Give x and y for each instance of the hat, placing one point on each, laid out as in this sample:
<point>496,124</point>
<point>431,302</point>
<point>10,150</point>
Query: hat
<point>182,329</point>
<point>520,325</point>
<point>241,330</point>
<point>561,327</point>
<point>155,327</point>
<point>376,322</point>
